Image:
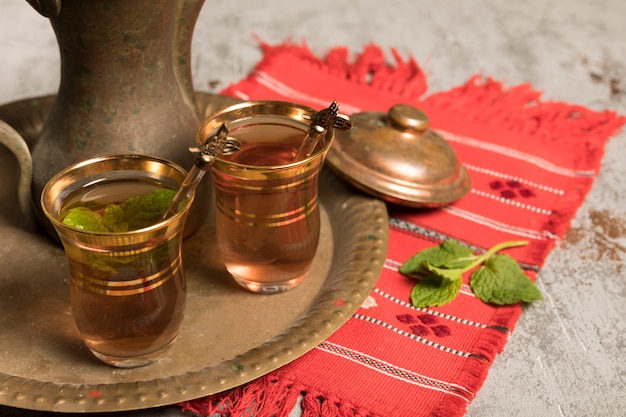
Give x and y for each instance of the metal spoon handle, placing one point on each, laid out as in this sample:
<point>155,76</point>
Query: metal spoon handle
<point>321,122</point>
<point>220,143</point>
<point>185,191</point>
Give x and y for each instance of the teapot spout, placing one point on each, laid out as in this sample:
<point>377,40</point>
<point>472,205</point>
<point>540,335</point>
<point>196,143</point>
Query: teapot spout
<point>10,138</point>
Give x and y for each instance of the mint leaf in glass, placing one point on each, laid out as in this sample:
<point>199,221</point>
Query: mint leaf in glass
<point>132,214</point>
<point>501,281</point>
<point>113,219</point>
<point>146,210</point>
<point>84,219</point>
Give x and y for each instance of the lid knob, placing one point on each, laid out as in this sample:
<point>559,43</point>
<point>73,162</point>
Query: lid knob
<point>406,117</point>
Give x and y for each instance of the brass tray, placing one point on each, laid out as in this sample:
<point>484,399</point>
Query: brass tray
<point>229,336</point>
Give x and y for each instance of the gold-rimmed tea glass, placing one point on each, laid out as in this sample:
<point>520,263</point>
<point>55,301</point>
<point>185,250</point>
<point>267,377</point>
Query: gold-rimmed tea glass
<point>267,207</point>
<point>127,289</point>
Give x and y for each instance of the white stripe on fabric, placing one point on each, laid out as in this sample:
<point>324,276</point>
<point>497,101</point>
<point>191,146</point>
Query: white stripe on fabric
<point>496,174</point>
<point>412,336</point>
<point>283,89</point>
<point>240,94</point>
<point>392,265</point>
<point>396,372</point>
<point>515,154</point>
<point>503,227</point>
<point>510,202</point>
<point>432,312</point>
<point>427,234</point>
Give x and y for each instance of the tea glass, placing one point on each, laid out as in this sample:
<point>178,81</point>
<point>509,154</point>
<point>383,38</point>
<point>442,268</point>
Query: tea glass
<point>267,207</point>
<point>127,289</point>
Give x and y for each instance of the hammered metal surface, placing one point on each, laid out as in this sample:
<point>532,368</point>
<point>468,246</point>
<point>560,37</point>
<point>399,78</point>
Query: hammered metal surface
<point>229,336</point>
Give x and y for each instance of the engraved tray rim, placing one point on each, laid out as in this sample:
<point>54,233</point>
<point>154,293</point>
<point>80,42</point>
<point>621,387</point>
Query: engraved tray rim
<point>358,256</point>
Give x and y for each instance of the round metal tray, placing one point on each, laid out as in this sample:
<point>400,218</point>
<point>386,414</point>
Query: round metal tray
<point>229,336</point>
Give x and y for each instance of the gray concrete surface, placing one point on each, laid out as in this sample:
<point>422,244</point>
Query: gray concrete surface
<point>567,356</point>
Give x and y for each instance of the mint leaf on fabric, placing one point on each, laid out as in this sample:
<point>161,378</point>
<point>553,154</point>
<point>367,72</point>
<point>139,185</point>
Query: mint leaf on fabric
<point>434,291</point>
<point>440,269</point>
<point>445,275</point>
<point>449,254</point>
<point>501,281</point>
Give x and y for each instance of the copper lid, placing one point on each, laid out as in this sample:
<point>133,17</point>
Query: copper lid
<point>396,157</point>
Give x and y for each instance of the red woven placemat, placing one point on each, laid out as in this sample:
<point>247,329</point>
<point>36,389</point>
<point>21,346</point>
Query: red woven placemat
<point>531,163</point>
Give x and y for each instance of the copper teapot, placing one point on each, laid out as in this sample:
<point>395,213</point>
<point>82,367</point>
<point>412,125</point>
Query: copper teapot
<point>125,87</point>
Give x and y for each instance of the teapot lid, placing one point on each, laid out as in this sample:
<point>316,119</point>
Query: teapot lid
<point>396,157</point>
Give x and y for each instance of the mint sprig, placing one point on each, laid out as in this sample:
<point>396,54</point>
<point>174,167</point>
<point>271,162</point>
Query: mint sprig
<point>498,278</point>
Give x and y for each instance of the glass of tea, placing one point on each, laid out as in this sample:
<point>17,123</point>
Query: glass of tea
<point>267,207</point>
<point>127,284</point>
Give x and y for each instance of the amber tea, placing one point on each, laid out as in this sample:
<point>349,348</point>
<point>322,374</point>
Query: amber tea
<point>125,304</point>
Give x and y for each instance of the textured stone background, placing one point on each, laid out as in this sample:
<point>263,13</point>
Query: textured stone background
<point>567,356</point>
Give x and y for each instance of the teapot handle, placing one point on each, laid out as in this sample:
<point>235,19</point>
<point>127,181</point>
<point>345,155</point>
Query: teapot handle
<point>10,138</point>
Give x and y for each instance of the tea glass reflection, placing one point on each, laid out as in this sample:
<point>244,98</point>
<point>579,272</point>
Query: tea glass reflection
<point>267,206</point>
<point>127,289</point>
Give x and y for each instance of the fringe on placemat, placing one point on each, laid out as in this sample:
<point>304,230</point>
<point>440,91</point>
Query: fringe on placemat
<point>368,69</point>
<point>275,395</point>
<point>476,367</point>
<point>521,109</point>
<point>482,99</point>
<point>271,396</point>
